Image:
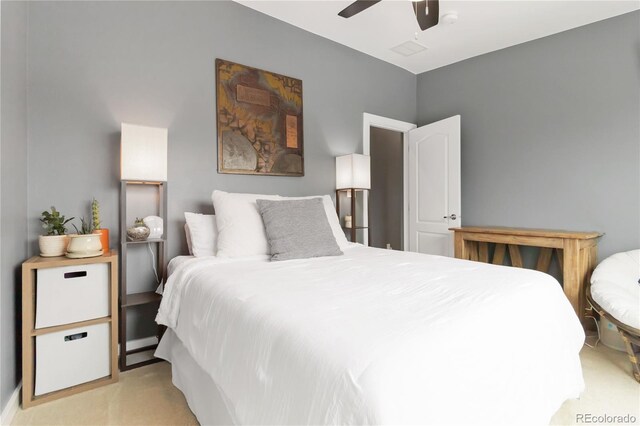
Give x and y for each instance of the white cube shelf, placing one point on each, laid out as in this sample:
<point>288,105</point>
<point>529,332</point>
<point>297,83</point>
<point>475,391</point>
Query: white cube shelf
<point>71,357</point>
<point>71,294</point>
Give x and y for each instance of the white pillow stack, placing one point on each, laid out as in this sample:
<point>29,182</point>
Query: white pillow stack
<point>240,229</point>
<point>202,234</point>
<point>237,229</point>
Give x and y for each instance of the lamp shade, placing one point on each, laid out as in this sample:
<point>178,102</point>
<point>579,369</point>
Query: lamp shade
<point>143,153</point>
<point>353,171</point>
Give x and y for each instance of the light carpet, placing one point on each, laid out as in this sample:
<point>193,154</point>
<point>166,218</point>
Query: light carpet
<point>145,396</point>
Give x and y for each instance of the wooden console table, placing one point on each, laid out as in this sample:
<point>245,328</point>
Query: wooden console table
<point>576,253</point>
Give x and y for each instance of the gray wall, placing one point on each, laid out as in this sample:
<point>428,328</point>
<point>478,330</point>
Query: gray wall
<point>95,65</point>
<point>550,131</point>
<point>13,187</point>
<point>386,205</point>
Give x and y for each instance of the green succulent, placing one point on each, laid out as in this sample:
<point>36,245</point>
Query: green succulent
<point>86,227</point>
<point>53,222</point>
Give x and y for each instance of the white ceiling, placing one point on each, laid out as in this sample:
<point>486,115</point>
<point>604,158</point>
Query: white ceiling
<point>482,26</point>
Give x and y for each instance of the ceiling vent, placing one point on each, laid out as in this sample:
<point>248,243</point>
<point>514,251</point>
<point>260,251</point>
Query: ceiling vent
<point>409,48</point>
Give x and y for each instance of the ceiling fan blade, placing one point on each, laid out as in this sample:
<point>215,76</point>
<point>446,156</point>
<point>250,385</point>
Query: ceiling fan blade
<point>425,20</point>
<point>357,7</point>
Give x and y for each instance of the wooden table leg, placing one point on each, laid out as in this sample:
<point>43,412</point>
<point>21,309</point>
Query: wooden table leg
<point>585,275</point>
<point>459,246</point>
<point>571,274</point>
<point>592,261</point>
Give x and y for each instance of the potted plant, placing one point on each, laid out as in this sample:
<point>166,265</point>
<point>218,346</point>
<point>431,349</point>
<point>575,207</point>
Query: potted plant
<point>97,225</point>
<point>55,242</point>
<point>85,243</point>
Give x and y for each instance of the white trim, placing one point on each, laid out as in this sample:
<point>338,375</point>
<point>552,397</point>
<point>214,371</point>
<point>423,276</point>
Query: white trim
<point>371,120</point>
<point>12,407</point>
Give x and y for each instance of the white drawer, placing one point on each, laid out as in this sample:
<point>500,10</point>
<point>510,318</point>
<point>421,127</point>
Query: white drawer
<point>71,357</point>
<point>71,294</point>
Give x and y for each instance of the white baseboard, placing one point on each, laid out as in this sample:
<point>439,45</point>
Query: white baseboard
<point>11,408</point>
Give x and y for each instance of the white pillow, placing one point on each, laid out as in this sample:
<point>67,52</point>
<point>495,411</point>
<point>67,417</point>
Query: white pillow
<point>332,217</point>
<point>187,234</point>
<point>203,234</point>
<point>240,228</point>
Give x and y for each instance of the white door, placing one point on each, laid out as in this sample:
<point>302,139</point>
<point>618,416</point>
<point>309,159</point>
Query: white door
<point>434,186</point>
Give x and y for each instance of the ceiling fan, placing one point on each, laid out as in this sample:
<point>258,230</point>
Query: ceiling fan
<point>427,11</point>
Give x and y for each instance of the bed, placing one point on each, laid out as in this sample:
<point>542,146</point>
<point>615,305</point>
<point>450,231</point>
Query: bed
<point>370,337</point>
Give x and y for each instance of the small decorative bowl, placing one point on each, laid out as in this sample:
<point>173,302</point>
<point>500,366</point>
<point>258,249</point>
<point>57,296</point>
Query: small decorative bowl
<point>138,233</point>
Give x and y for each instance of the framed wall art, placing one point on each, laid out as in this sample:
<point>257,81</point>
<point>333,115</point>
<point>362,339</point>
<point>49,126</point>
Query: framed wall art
<point>259,119</point>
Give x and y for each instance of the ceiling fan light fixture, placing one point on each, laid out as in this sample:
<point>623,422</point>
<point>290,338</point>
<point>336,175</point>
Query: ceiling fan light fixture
<point>417,9</point>
<point>421,9</point>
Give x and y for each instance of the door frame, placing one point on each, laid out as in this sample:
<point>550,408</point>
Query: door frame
<point>372,120</point>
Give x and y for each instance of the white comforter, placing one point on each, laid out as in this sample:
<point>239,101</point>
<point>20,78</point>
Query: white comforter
<point>377,337</point>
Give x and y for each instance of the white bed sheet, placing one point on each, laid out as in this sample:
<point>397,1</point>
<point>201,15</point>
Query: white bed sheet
<point>176,262</point>
<point>377,337</point>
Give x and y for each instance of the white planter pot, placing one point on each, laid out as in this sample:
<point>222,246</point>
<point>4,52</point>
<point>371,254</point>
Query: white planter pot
<point>53,245</point>
<point>84,245</point>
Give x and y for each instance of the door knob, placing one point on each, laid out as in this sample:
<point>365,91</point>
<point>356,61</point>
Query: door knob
<point>452,217</point>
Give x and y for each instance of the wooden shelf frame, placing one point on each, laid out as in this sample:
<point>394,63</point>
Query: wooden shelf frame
<point>576,253</point>
<point>351,193</point>
<point>143,298</point>
<point>153,240</point>
<point>29,330</point>
<point>127,300</point>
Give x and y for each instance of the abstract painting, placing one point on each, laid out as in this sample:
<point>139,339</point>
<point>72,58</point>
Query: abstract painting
<point>259,117</point>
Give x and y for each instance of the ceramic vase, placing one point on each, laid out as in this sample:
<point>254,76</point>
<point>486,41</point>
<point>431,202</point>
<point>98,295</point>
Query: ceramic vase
<point>53,245</point>
<point>138,233</point>
<point>84,245</point>
<point>104,238</point>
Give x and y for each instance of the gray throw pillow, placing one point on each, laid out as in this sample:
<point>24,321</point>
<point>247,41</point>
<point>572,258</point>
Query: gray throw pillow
<point>297,229</point>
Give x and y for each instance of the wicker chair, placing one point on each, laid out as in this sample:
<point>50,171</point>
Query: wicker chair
<point>620,273</point>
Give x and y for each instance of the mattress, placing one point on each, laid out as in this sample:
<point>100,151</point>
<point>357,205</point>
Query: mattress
<point>377,337</point>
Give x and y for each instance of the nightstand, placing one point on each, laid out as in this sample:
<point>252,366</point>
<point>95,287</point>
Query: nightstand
<point>69,326</point>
